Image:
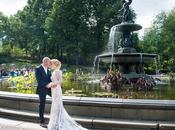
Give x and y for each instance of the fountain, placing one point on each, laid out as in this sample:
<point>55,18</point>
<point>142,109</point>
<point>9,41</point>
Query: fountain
<point>126,59</point>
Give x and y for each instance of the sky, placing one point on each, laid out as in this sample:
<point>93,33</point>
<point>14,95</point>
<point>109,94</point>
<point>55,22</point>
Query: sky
<point>10,7</point>
<point>146,10</point>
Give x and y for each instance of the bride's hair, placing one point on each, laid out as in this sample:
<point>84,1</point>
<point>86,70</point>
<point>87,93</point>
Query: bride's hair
<point>56,63</point>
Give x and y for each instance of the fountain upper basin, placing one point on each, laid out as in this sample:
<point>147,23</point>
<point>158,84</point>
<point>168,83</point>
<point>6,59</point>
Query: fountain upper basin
<point>134,58</point>
<point>128,27</point>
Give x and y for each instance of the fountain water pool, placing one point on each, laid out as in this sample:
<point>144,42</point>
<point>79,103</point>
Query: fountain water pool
<point>93,89</point>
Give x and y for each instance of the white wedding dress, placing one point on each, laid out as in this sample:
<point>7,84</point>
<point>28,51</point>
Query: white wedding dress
<point>59,118</point>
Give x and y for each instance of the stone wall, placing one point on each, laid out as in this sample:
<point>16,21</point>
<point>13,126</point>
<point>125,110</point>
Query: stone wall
<point>99,110</point>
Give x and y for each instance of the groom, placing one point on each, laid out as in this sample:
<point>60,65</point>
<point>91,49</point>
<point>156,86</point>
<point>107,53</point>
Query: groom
<point>44,87</point>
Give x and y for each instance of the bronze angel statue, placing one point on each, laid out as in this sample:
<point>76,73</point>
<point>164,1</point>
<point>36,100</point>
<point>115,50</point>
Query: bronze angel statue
<point>126,16</point>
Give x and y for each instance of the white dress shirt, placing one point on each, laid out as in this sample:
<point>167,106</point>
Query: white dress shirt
<point>45,69</point>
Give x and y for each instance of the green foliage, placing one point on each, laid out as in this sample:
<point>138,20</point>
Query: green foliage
<point>27,84</point>
<point>7,50</point>
<point>23,84</point>
<point>78,29</point>
<point>73,31</point>
<point>172,77</point>
<point>151,68</point>
<point>17,52</point>
<point>160,40</point>
<point>3,25</point>
<point>69,76</point>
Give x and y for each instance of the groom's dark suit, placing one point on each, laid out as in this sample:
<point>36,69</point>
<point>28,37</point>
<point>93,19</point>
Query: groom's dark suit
<point>43,80</point>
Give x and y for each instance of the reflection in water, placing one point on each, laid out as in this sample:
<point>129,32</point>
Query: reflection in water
<point>94,90</point>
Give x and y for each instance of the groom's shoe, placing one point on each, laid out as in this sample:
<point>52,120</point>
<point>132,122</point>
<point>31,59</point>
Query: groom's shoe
<point>43,125</point>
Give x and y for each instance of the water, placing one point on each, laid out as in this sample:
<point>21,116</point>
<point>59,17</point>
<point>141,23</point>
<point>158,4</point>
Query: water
<point>114,40</point>
<point>111,41</point>
<point>157,63</point>
<point>94,65</point>
<point>111,44</point>
<point>94,90</point>
<point>112,57</point>
<point>98,66</point>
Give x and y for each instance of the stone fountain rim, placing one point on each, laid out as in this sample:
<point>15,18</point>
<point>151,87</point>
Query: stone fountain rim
<point>94,101</point>
<point>127,54</point>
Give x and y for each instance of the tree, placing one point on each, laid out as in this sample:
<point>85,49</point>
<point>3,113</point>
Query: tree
<point>160,39</point>
<point>73,31</point>
<point>79,28</point>
<point>3,25</point>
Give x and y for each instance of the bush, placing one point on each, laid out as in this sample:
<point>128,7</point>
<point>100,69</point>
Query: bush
<point>172,76</point>
<point>7,50</point>
<point>24,84</point>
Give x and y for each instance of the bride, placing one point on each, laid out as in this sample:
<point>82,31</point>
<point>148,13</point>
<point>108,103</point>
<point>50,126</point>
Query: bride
<point>59,118</point>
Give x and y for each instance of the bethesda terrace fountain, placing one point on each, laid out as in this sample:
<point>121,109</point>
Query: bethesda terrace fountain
<point>125,58</point>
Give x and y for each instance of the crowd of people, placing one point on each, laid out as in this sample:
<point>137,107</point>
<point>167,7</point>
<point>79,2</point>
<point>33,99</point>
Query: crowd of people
<point>13,71</point>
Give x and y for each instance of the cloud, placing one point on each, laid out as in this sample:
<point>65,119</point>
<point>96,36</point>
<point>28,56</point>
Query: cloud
<point>152,7</point>
<point>146,10</point>
<point>10,7</point>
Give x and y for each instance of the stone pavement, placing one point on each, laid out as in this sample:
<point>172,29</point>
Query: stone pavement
<point>7,124</point>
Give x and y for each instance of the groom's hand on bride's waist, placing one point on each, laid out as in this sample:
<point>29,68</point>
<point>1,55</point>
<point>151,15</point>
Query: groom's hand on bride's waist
<point>51,85</point>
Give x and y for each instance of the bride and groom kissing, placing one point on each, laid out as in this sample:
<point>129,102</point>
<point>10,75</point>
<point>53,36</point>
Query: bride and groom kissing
<point>50,84</point>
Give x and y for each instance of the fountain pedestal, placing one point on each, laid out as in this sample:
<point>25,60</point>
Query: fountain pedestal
<point>126,50</point>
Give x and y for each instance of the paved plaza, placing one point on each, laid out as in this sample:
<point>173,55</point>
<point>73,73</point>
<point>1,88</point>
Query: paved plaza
<point>7,124</point>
